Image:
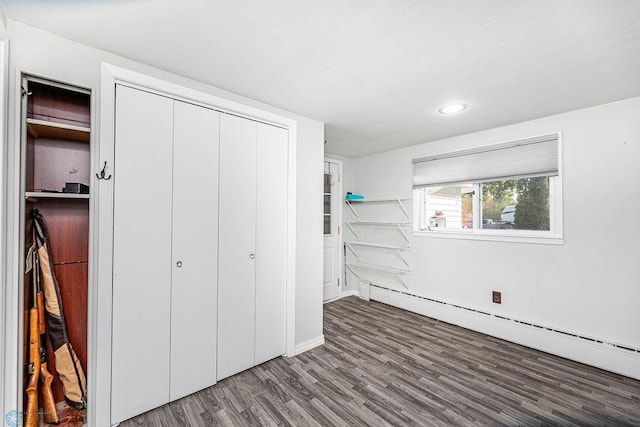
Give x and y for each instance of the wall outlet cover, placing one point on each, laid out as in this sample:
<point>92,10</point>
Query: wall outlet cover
<point>497,297</point>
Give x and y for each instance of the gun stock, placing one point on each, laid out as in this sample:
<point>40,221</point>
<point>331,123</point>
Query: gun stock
<point>32,418</point>
<point>48,402</point>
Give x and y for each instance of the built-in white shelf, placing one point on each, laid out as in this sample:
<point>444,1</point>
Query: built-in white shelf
<point>377,245</point>
<point>397,249</point>
<point>380,200</point>
<point>399,200</point>
<point>376,267</point>
<point>396,224</point>
<point>352,266</point>
<point>381,223</point>
<point>356,267</point>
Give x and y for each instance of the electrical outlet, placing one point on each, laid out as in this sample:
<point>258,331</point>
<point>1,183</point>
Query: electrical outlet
<point>497,297</point>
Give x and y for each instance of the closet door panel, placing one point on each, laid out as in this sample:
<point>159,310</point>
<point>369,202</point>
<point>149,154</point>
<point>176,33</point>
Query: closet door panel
<point>237,222</point>
<point>271,239</point>
<point>142,252</point>
<point>195,249</point>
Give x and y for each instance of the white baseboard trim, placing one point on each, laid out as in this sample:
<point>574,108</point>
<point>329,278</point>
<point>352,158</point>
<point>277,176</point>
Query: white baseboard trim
<point>598,354</point>
<point>350,293</point>
<point>308,345</point>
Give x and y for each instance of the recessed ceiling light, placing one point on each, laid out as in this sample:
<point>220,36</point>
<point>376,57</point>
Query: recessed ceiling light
<point>452,108</point>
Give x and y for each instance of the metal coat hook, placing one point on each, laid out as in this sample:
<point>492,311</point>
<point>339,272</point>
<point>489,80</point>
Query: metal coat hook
<point>102,173</point>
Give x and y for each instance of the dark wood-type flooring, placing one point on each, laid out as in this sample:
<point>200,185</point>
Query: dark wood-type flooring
<point>385,366</point>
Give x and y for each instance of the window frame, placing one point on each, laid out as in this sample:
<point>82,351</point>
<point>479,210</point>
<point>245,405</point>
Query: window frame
<point>554,236</point>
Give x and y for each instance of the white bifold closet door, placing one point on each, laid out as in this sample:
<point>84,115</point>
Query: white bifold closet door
<point>164,251</point>
<point>194,279</point>
<point>253,235</point>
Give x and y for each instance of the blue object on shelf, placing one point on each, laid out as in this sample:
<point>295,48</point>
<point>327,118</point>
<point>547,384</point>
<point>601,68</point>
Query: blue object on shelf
<point>351,196</point>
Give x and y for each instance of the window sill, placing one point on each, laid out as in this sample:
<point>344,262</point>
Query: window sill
<point>493,237</point>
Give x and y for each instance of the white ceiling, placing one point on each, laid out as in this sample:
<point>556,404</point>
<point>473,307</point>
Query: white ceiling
<point>375,71</point>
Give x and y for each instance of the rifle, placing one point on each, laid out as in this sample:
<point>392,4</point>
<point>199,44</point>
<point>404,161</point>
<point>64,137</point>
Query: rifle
<point>48,401</point>
<point>32,418</point>
<point>37,354</point>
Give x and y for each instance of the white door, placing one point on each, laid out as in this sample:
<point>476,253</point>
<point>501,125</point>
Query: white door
<point>194,249</point>
<point>165,251</point>
<point>141,253</point>
<point>271,242</point>
<point>253,244</point>
<point>237,233</point>
<point>332,251</point>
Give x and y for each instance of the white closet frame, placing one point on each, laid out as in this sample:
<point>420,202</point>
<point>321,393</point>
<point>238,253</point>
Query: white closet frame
<point>5,401</point>
<point>100,307</point>
<point>12,215</point>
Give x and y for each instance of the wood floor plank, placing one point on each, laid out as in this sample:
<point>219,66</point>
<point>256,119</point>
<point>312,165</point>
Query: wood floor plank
<point>385,366</point>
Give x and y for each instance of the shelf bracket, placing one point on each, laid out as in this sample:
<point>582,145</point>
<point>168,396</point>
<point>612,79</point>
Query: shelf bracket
<point>399,252</point>
<point>402,282</point>
<point>353,231</point>
<point>352,209</point>
<point>352,270</point>
<point>353,251</point>
<point>403,208</point>
<point>403,234</point>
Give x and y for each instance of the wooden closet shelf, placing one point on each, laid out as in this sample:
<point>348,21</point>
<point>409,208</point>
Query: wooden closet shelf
<point>33,196</point>
<point>45,129</point>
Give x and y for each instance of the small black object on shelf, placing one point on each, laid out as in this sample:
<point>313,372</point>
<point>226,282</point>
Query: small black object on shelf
<point>75,188</point>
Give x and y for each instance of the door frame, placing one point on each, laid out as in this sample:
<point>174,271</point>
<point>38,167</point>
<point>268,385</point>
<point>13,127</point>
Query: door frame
<point>340,263</point>
<point>101,309</point>
<point>6,399</point>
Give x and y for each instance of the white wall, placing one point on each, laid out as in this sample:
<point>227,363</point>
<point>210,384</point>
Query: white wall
<point>590,285</point>
<point>41,53</point>
<point>3,21</point>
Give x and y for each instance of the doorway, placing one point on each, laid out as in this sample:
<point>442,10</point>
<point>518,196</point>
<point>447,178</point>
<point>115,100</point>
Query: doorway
<point>332,228</point>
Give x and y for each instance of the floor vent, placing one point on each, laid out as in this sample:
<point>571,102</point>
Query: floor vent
<point>595,340</point>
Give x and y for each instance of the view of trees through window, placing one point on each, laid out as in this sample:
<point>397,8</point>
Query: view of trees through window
<point>514,204</point>
<point>521,204</point>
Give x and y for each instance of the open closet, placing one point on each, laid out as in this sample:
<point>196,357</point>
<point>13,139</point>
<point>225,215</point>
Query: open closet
<point>55,178</point>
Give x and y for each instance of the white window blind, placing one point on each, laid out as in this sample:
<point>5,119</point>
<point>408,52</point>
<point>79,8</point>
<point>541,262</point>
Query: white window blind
<point>528,157</point>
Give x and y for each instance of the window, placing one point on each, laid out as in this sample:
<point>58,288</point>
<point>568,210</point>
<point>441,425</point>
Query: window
<point>509,191</point>
<point>449,207</point>
<point>327,204</point>
<point>515,204</point>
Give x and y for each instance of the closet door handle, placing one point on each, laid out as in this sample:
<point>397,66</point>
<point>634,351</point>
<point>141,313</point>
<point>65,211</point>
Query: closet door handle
<point>252,256</point>
<point>179,264</point>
